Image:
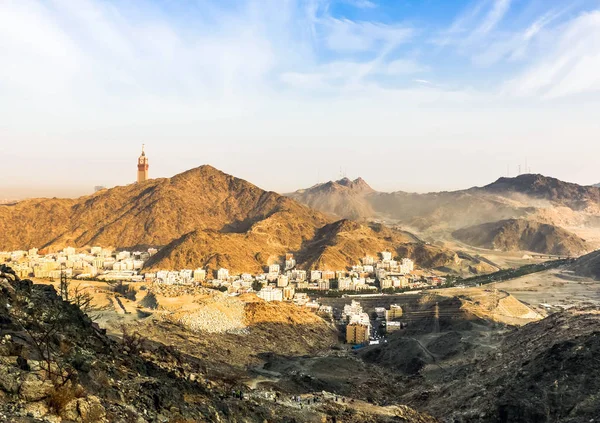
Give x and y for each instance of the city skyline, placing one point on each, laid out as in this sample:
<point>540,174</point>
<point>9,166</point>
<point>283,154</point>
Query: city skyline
<point>413,96</point>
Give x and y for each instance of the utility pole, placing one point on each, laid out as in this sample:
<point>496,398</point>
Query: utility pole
<point>64,284</point>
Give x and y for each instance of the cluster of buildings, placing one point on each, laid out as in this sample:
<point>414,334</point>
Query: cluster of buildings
<point>358,324</point>
<point>97,262</point>
<point>280,282</point>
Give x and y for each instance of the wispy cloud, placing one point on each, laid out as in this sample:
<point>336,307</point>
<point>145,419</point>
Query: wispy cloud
<point>107,76</point>
<point>361,4</point>
<point>570,67</point>
<point>495,15</point>
<point>348,35</point>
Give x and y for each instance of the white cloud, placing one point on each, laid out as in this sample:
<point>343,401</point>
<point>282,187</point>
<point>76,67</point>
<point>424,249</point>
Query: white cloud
<point>233,86</point>
<point>405,67</point>
<point>346,35</point>
<point>515,46</point>
<point>570,67</point>
<point>495,15</point>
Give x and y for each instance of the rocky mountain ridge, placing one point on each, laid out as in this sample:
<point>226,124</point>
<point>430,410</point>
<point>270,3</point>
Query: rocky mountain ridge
<point>199,218</point>
<point>533,197</point>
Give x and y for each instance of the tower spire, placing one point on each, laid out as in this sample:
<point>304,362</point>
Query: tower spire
<point>142,174</point>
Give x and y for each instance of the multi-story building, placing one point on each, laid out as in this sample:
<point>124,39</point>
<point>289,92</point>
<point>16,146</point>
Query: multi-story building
<point>328,275</point>
<point>290,262</point>
<point>282,281</point>
<point>274,268</point>
<point>345,284</point>
<point>269,293</point>
<point>386,283</point>
<point>222,274</point>
<point>386,256</point>
<point>315,275</point>
<point>350,309</point>
<point>298,275</point>
<point>323,285</point>
<point>395,312</point>
<point>288,293</point>
<point>357,334</point>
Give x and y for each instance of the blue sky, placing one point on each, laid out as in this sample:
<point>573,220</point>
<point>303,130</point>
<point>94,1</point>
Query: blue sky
<point>410,95</point>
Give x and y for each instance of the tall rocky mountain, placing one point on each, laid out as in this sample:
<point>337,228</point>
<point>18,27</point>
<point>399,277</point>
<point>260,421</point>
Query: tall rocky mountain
<point>533,197</point>
<point>525,235</point>
<point>344,198</point>
<point>202,217</point>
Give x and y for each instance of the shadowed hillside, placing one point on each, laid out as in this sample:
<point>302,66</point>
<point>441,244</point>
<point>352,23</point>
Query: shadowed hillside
<point>523,235</point>
<point>588,265</point>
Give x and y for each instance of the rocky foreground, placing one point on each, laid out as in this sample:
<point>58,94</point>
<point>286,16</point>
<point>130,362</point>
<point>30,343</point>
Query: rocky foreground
<point>56,365</point>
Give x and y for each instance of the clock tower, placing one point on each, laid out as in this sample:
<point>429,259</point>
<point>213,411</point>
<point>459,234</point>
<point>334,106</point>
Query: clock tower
<point>142,174</point>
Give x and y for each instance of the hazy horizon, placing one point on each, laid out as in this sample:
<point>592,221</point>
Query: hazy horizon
<point>10,193</point>
<point>412,96</point>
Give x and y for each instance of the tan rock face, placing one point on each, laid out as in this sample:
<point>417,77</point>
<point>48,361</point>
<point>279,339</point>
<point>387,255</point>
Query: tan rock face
<point>85,410</point>
<point>34,388</point>
<point>37,409</point>
<point>9,381</point>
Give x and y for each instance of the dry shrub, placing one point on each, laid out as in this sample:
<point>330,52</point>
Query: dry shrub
<point>133,341</point>
<point>62,395</point>
<point>179,419</point>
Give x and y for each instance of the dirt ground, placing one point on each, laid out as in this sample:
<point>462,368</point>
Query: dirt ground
<point>553,289</point>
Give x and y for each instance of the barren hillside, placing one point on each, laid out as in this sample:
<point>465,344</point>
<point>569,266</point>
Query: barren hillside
<point>588,265</point>
<point>523,235</point>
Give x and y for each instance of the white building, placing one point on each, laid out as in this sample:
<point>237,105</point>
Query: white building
<point>282,281</point>
<point>222,274</point>
<point>199,275</point>
<point>290,264</point>
<point>270,294</point>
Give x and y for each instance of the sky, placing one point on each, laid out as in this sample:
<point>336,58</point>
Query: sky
<point>410,95</point>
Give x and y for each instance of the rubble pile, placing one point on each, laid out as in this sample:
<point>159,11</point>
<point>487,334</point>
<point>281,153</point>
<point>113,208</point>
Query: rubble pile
<point>220,314</point>
<point>172,291</point>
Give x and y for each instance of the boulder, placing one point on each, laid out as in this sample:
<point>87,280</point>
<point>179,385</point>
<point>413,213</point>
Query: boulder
<point>37,409</point>
<point>85,410</point>
<point>9,379</point>
<point>34,389</point>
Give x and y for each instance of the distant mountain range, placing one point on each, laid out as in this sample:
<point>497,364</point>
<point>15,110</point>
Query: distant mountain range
<point>533,197</point>
<point>204,217</point>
